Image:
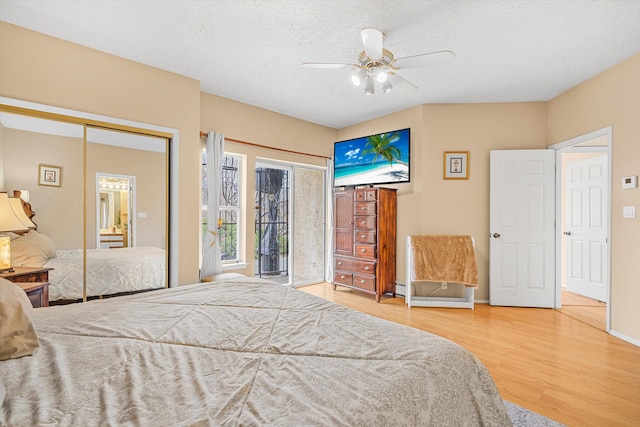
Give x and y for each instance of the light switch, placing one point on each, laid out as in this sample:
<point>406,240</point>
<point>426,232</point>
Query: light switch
<point>628,212</point>
<point>142,214</point>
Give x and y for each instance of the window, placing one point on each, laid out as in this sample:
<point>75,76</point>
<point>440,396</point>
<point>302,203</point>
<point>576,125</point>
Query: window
<point>229,217</point>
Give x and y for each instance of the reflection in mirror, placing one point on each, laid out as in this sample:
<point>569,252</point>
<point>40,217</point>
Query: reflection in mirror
<point>126,220</point>
<point>61,246</point>
<point>113,202</point>
<point>55,247</point>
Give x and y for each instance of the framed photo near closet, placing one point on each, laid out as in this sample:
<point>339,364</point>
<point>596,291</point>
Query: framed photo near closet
<point>50,175</point>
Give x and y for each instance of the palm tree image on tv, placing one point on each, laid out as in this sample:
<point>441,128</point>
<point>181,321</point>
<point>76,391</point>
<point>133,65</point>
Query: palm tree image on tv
<point>381,145</point>
<point>375,159</point>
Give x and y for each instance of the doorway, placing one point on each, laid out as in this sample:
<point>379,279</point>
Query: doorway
<point>583,212</point>
<point>273,235</point>
<point>115,198</point>
<point>290,222</point>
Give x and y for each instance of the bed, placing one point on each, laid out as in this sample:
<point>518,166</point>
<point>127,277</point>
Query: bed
<point>240,352</point>
<point>109,271</point>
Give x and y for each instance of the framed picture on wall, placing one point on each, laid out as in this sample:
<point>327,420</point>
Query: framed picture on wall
<point>50,175</point>
<point>456,165</point>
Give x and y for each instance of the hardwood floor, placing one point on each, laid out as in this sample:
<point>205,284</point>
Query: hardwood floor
<point>586,310</point>
<point>541,359</point>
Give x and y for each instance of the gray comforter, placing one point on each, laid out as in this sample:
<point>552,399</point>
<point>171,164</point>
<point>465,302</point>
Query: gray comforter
<point>240,353</point>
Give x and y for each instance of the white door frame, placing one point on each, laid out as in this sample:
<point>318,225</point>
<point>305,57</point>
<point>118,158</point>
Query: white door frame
<point>566,146</point>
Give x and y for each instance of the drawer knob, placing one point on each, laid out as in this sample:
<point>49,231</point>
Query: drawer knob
<point>363,222</point>
<point>339,262</point>
<point>367,268</point>
<point>363,250</point>
<point>343,277</point>
<point>362,282</point>
<point>364,235</point>
<point>364,208</point>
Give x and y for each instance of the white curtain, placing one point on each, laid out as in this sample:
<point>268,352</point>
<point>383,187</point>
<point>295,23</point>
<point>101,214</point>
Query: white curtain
<point>211,262</point>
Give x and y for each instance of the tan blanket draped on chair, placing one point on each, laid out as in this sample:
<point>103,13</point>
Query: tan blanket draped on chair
<point>444,258</point>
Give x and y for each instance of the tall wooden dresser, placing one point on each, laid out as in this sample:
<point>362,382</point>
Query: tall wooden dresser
<point>364,255</point>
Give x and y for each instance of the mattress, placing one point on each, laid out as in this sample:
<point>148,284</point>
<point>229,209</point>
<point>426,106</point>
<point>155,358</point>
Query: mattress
<point>241,352</point>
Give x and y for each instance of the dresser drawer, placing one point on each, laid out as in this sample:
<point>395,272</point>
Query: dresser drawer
<point>365,236</point>
<point>342,278</point>
<point>362,282</point>
<point>365,208</point>
<point>365,251</point>
<point>364,267</point>
<point>342,264</point>
<point>365,195</point>
<point>365,222</point>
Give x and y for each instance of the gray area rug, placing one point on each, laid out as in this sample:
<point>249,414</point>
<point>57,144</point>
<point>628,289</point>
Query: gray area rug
<point>521,417</point>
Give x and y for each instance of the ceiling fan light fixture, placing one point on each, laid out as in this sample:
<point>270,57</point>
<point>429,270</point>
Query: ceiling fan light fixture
<point>358,77</point>
<point>382,77</point>
<point>368,86</point>
<point>387,86</point>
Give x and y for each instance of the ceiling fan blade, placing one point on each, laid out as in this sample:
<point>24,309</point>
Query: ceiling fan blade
<point>401,83</point>
<point>424,60</point>
<point>326,65</point>
<point>372,41</point>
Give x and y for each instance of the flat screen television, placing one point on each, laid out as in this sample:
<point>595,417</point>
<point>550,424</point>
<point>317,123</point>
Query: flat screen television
<point>381,158</point>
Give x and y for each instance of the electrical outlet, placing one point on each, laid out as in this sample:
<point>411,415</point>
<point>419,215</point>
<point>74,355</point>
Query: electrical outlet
<point>443,285</point>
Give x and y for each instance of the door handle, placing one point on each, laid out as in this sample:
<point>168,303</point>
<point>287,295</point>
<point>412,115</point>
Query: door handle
<point>567,233</point>
<point>496,235</point>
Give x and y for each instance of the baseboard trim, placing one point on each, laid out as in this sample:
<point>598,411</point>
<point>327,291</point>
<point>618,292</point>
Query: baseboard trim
<point>625,338</point>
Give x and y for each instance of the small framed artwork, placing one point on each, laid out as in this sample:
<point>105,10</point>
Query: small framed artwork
<point>50,175</point>
<point>456,165</point>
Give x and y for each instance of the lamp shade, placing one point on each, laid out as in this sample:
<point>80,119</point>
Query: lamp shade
<point>368,87</point>
<point>9,221</point>
<point>358,77</point>
<point>18,209</point>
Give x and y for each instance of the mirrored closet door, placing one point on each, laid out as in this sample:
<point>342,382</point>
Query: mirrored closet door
<point>56,162</point>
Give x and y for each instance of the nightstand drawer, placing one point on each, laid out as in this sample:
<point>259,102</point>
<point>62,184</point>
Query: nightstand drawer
<point>38,293</point>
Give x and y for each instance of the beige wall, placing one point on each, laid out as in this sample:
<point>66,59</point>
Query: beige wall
<point>612,98</point>
<point>58,209</point>
<point>45,70</point>
<point>433,205</point>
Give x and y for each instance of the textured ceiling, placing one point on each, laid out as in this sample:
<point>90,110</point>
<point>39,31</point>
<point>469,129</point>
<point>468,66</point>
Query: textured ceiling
<point>252,50</point>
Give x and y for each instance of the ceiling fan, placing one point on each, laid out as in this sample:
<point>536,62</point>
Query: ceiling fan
<point>376,63</point>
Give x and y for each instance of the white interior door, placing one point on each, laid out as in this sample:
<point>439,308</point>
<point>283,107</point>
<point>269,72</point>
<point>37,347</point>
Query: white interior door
<point>585,229</point>
<point>522,228</point>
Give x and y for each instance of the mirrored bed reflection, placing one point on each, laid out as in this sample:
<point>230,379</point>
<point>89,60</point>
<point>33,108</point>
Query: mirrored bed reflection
<point>70,232</point>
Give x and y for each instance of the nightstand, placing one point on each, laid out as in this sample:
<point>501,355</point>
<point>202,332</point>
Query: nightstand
<point>34,281</point>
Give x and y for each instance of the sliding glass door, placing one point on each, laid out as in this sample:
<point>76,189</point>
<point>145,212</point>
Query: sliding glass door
<point>290,223</point>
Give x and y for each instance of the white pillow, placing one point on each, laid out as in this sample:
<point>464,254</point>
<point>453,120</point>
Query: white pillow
<point>17,334</point>
<point>32,250</point>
